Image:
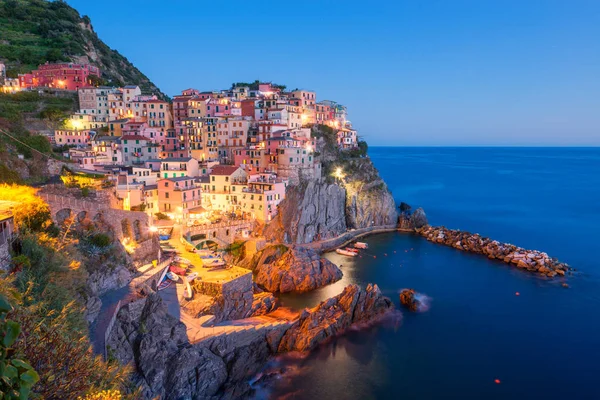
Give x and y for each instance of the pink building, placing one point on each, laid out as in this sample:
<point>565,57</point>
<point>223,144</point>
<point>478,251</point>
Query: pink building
<point>67,76</point>
<point>72,137</point>
<point>177,196</point>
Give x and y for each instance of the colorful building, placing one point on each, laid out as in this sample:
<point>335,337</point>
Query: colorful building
<point>67,76</point>
<point>177,196</point>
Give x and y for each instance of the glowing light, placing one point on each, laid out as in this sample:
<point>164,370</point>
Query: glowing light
<point>128,245</point>
<point>153,229</point>
<point>339,173</point>
<point>309,148</point>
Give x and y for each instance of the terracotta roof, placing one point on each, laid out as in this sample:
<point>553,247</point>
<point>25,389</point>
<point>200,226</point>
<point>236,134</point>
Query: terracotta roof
<point>224,169</point>
<point>134,137</point>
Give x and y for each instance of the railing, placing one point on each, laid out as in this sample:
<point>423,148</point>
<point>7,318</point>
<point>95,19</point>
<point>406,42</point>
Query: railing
<point>209,227</point>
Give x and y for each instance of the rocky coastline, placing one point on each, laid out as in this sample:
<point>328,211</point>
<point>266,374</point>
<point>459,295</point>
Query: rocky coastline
<point>530,260</point>
<point>167,365</point>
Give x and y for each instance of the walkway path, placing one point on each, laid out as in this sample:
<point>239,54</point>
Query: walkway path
<point>347,237</point>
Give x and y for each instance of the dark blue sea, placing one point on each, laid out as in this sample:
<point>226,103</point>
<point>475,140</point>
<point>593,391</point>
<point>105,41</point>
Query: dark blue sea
<point>542,344</point>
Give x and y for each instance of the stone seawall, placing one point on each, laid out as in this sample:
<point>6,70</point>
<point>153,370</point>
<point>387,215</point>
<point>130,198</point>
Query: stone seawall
<point>530,260</point>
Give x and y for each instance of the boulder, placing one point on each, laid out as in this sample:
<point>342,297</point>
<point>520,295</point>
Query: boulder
<point>297,270</point>
<point>418,219</point>
<point>408,300</point>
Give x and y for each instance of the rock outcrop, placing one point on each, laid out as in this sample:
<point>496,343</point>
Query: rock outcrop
<point>530,260</point>
<point>295,270</point>
<point>412,220</point>
<point>102,281</point>
<point>167,366</point>
<point>408,300</point>
<point>333,316</point>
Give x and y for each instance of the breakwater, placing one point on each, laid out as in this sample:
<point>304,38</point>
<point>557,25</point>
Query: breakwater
<point>531,260</point>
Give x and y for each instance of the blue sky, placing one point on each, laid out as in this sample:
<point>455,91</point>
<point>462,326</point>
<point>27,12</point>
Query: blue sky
<point>446,72</point>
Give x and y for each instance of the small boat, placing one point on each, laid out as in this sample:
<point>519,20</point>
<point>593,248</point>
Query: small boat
<point>164,284</point>
<point>361,245</point>
<point>351,249</point>
<point>214,262</point>
<point>173,276</point>
<point>182,260</point>
<point>192,276</point>
<point>177,269</point>
<point>345,252</point>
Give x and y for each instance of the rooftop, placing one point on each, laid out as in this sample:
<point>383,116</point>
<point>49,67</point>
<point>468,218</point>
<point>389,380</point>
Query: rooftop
<point>224,169</point>
<point>134,137</point>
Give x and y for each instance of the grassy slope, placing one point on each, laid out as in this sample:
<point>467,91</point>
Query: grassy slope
<point>35,31</point>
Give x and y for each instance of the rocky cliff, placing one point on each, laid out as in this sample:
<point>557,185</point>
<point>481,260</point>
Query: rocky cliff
<point>322,209</point>
<point>167,366</point>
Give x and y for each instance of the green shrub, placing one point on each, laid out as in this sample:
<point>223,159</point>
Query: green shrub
<point>100,240</point>
<point>17,377</point>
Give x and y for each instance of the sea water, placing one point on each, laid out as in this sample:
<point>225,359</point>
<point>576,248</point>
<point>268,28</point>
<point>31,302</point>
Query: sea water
<point>478,339</point>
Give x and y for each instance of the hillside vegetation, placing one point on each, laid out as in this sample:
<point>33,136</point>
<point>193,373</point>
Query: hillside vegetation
<point>35,31</point>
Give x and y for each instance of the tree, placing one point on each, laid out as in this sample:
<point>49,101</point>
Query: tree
<point>54,55</point>
<point>17,377</point>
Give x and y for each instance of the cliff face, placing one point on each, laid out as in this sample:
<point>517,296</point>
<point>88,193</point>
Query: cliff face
<point>167,366</point>
<point>311,211</point>
<point>326,207</point>
<point>319,209</point>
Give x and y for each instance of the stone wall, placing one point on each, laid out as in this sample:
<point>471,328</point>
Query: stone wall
<point>97,207</point>
<point>239,285</point>
<point>4,256</point>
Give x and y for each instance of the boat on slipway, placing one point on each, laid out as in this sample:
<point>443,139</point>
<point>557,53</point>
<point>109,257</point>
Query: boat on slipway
<point>346,253</point>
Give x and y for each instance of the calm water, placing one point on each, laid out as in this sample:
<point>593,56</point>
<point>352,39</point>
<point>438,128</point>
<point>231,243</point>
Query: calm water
<point>543,344</point>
